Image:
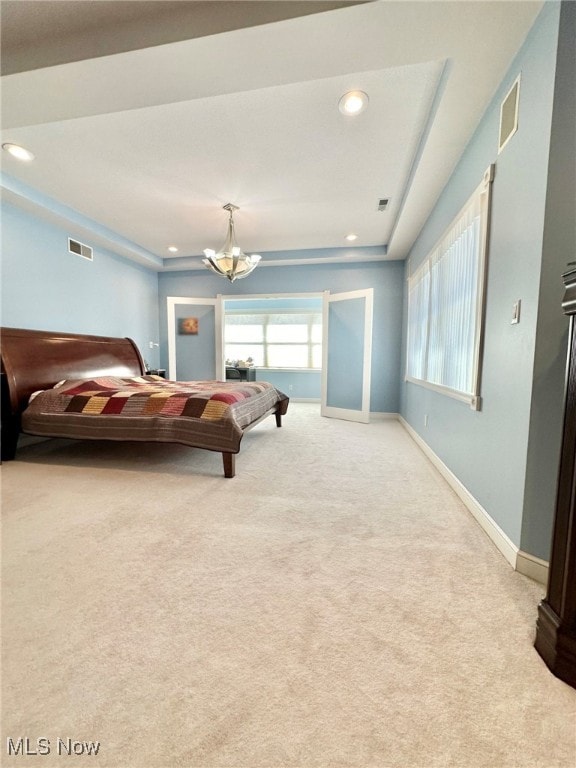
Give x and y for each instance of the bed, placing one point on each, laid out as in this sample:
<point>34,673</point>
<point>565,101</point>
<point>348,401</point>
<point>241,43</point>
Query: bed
<point>96,388</point>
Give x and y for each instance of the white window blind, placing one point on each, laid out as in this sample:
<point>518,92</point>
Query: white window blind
<point>445,304</point>
<point>418,308</point>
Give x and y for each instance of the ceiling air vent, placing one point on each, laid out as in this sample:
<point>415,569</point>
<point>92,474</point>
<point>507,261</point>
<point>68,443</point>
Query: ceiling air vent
<point>383,203</point>
<point>80,249</point>
<point>509,115</point>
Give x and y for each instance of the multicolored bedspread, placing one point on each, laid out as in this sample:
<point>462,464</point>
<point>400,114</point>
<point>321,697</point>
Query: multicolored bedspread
<point>203,414</point>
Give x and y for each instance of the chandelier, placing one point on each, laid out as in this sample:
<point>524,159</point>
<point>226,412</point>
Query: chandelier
<point>230,261</point>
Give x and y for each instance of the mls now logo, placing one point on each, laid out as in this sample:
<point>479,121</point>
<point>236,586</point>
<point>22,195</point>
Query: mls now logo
<point>25,746</point>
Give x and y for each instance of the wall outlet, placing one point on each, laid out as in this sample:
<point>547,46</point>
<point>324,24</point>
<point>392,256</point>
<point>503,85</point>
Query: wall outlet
<point>290,387</point>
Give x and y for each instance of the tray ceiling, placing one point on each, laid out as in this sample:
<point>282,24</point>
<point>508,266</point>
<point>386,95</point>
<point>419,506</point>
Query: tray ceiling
<point>151,143</point>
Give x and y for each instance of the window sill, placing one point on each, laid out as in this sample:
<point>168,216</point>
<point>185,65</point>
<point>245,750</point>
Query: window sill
<point>474,401</point>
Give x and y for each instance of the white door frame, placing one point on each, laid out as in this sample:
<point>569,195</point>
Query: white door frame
<point>171,302</point>
<point>362,415</point>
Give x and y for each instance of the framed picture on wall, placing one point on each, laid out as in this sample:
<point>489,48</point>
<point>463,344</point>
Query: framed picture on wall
<point>188,326</point>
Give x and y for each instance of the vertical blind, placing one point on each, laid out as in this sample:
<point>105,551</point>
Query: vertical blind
<point>445,302</point>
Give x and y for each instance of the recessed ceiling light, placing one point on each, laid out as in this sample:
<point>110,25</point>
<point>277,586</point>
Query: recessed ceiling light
<point>351,237</point>
<point>353,102</point>
<point>173,249</point>
<point>18,152</point>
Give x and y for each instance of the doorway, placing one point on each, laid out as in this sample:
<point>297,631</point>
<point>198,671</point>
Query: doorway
<point>314,347</point>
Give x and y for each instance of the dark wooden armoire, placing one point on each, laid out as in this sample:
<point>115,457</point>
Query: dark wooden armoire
<point>556,624</point>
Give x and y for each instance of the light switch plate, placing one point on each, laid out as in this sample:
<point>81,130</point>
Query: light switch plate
<point>515,312</point>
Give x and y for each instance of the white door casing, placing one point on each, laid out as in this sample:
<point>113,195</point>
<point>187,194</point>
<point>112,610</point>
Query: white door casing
<point>347,355</point>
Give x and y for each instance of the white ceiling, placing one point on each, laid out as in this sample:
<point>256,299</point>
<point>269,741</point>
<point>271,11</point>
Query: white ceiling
<point>151,143</point>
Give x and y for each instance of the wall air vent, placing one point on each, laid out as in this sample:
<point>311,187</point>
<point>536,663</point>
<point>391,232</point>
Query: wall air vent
<point>383,203</point>
<point>80,249</point>
<point>509,115</point>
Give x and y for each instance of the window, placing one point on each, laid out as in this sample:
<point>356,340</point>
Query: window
<point>445,304</point>
<point>286,339</point>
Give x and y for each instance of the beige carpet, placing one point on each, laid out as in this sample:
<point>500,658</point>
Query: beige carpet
<point>333,605</point>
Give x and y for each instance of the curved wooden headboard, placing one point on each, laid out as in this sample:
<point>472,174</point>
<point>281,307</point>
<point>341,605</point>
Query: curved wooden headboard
<point>33,360</point>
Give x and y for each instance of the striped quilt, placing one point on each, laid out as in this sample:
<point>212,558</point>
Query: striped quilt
<point>204,414</point>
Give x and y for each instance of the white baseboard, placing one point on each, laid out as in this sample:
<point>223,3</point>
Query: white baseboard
<point>533,567</point>
<point>524,563</point>
<point>374,415</point>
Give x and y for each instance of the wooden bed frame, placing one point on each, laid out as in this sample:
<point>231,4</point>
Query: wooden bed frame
<point>34,360</point>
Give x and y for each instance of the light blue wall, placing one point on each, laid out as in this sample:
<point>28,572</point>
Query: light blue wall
<point>386,278</point>
<point>47,288</point>
<point>487,450</point>
<point>195,352</point>
<point>299,385</point>
<point>345,354</point>
<point>271,305</point>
